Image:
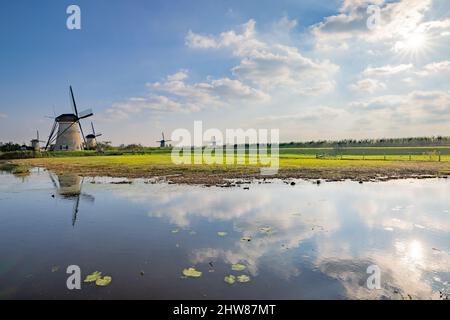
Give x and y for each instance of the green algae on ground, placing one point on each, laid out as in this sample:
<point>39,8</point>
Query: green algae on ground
<point>191,272</point>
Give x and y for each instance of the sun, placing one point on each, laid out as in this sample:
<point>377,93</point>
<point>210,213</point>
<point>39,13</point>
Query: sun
<point>413,44</point>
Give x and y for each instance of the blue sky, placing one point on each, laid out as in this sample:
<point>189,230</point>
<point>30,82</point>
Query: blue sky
<point>310,68</point>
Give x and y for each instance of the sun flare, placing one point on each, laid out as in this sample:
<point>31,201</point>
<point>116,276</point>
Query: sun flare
<point>415,42</point>
<point>412,44</point>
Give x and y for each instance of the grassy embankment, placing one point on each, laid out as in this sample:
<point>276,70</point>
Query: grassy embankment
<point>15,168</point>
<point>313,163</point>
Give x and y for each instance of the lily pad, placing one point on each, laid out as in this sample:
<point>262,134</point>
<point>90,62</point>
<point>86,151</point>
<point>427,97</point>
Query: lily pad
<point>248,239</point>
<point>230,279</point>
<point>103,282</point>
<point>93,277</point>
<point>266,229</point>
<point>176,231</point>
<point>243,278</point>
<point>238,267</point>
<point>191,272</point>
<point>222,234</point>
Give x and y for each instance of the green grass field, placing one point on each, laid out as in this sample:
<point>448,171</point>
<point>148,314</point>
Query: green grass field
<point>287,156</point>
<point>357,164</point>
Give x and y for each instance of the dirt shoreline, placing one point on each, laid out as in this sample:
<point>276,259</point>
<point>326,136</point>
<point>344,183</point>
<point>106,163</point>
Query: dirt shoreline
<point>203,175</point>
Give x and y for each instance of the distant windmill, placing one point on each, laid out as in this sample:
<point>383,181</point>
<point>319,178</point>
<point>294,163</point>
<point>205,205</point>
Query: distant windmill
<point>67,128</point>
<point>35,143</point>
<point>213,142</point>
<point>91,139</point>
<point>162,143</point>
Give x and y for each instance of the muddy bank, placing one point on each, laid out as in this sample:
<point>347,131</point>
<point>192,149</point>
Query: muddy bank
<point>206,175</point>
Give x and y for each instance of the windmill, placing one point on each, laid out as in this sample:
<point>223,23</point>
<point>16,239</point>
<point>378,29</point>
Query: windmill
<point>162,143</point>
<point>91,139</point>
<point>213,142</point>
<point>67,128</point>
<point>69,187</point>
<point>35,143</point>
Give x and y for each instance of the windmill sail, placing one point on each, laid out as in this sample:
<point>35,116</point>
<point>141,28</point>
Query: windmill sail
<point>74,105</point>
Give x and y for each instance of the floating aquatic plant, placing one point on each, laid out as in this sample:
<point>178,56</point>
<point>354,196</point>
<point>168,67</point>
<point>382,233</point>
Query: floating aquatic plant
<point>103,282</point>
<point>238,267</point>
<point>93,276</point>
<point>221,234</point>
<point>230,279</point>
<point>243,278</point>
<point>191,272</point>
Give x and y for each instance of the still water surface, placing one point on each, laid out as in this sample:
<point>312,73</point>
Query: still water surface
<point>307,241</point>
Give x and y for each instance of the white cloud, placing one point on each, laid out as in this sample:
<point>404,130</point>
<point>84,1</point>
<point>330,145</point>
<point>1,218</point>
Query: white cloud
<point>309,115</point>
<point>175,95</point>
<point>367,85</point>
<point>154,103</point>
<point>415,107</point>
<point>211,91</point>
<point>200,41</point>
<point>269,64</point>
<point>387,70</point>
<point>285,24</point>
<point>398,21</point>
<point>179,76</point>
<point>435,67</point>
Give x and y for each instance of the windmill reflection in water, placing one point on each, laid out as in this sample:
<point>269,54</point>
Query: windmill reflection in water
<point>69,187</point>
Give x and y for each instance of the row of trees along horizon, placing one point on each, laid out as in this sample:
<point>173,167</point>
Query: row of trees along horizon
<point>382,142</point>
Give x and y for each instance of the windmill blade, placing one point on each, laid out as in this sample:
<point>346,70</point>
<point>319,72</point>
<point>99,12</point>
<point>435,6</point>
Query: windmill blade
<point>38,140</point>
<point>75,210</point>
<point>81,183</point>
<point>74,105</point>
<point>52,132</point>
<point>85,114</point>
<point>163,139</point>
<point>98,135</point>
<point>55,184</point>
<point>93,130</point>
<point>82,133</point>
